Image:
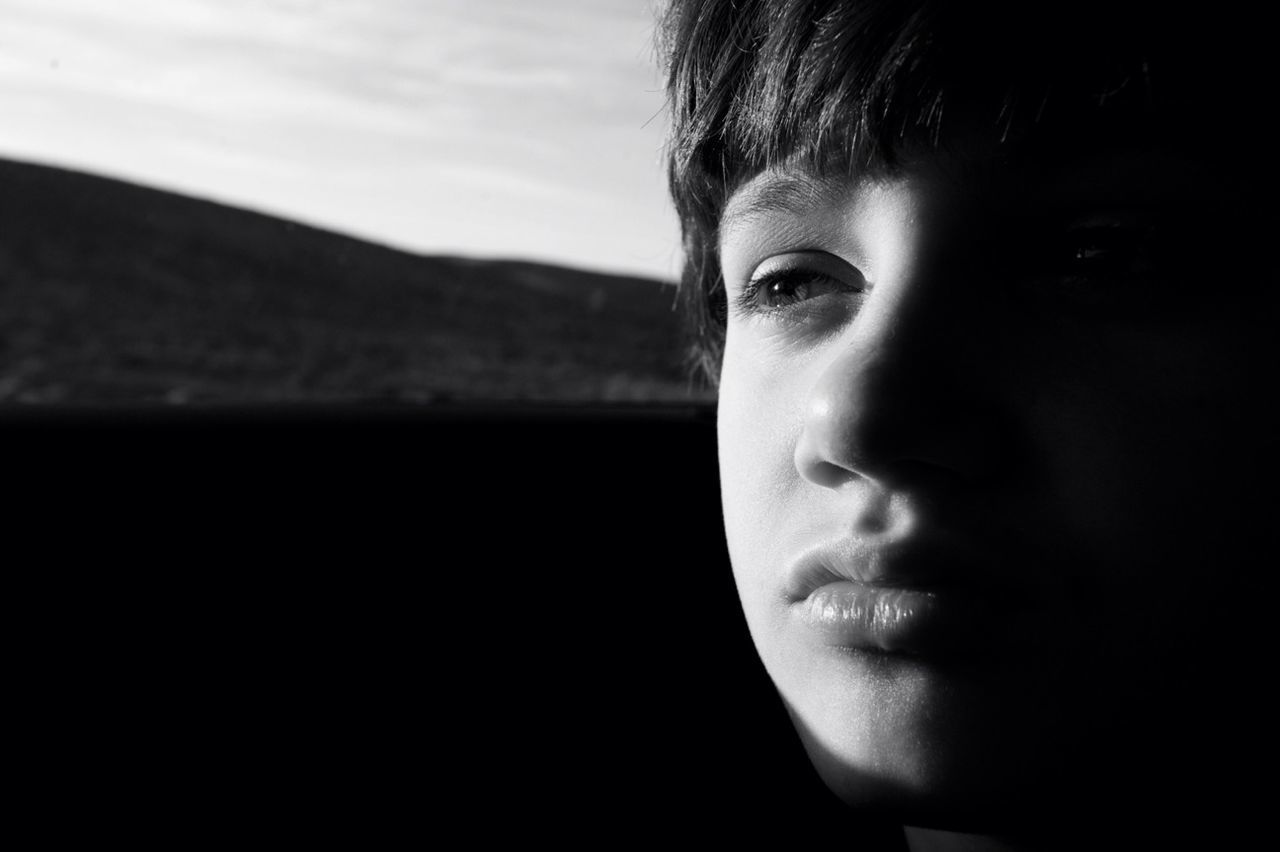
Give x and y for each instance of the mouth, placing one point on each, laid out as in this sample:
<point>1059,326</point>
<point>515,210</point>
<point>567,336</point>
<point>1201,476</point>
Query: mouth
<point>896,601</point>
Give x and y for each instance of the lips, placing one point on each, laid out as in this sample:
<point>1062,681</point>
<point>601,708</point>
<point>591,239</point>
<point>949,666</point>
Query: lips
<point>917,600</point>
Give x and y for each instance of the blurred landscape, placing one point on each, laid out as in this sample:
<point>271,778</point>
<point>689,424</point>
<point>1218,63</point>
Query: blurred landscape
<point>112,293</point>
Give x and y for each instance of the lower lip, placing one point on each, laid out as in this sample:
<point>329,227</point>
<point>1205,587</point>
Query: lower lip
<point>888,619</point>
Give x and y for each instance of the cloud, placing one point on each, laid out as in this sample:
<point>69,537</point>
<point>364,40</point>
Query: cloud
<point>295,106</point>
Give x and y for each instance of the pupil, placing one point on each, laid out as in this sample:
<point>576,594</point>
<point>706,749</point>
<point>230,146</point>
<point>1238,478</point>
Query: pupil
<point>787,290</point>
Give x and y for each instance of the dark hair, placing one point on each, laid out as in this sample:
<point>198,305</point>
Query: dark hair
<point>856,84</point>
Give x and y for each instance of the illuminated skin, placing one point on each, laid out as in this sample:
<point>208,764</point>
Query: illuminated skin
<point>1050,382</point>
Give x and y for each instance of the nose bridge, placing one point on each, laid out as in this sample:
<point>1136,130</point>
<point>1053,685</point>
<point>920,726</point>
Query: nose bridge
<point>893,387</point>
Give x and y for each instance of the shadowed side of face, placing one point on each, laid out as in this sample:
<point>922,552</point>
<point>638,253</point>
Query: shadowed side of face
<point>997,456</point>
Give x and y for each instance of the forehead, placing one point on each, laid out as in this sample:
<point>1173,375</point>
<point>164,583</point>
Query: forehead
<point>788,190</point>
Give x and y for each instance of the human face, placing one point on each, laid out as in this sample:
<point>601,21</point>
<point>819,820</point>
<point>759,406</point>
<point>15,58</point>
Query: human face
<point>989,436</point>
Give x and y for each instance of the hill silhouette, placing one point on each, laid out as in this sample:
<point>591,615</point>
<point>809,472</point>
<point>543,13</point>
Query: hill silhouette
<point>116,293</point>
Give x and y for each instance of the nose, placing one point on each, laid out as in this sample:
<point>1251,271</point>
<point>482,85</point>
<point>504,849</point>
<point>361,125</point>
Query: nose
<point>903,393</point>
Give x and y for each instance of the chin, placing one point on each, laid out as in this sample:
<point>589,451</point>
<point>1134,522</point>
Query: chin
<point>929,746</point>
<point>987,799</point>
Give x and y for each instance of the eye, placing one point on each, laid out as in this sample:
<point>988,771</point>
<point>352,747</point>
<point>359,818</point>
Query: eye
<point>1123,263</point>
<point>789,283</point>
<point>1101,253</point>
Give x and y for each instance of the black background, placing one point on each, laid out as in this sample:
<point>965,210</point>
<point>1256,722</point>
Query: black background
<point>359,623</point>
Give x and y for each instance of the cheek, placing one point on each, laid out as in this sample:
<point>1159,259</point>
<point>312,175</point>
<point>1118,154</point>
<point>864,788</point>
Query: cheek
<point>1134,496</point>
<point>757,471</point>
<point>1153,448</point>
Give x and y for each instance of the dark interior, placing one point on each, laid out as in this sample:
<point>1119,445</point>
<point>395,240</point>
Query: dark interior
<point>356,623</point>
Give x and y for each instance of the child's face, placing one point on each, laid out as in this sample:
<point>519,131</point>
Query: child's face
<point>989,438</point>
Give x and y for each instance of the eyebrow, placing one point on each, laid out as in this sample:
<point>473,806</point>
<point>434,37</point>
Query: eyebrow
<point>782,192</point>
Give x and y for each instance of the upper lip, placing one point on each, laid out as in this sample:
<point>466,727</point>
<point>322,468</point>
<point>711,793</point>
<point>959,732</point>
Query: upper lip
<point>922,565</point>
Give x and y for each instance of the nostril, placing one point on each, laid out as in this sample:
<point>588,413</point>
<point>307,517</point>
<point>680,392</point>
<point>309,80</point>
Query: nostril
<point>834,453</point>
<point>828,475</point>
<point>818,462</point>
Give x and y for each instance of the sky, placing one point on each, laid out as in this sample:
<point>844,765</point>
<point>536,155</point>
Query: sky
<point>487,128</point>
